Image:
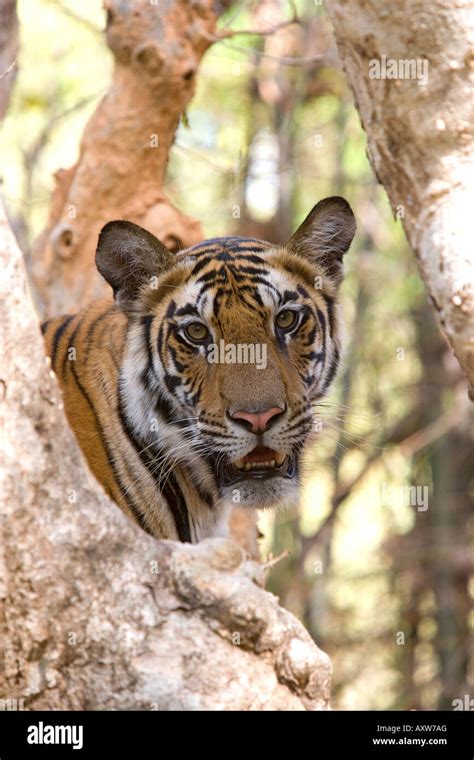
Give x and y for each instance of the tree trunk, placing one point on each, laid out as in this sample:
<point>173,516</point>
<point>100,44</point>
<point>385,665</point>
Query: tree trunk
<point>8,51</point>
<point>420,137</point>
<point>95,614</point>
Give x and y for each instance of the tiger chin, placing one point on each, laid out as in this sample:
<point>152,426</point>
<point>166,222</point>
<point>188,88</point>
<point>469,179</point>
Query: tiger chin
<point>191,392</point>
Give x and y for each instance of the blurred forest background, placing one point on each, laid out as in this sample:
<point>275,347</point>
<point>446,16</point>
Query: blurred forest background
<point>379,562</point>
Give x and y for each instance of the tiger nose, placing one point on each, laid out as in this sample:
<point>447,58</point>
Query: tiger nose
<point>258,422</point>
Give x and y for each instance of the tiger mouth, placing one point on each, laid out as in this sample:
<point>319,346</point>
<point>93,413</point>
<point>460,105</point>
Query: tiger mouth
<point>259,464</point>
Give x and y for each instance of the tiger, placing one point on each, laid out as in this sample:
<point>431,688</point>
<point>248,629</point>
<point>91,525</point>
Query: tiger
<point>175,439</point>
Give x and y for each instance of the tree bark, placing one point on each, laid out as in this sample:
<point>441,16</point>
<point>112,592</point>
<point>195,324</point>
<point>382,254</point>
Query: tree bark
<point>124,150</point>
<point>95,614</point>
<point>8,51</point>
<point>420,139</point>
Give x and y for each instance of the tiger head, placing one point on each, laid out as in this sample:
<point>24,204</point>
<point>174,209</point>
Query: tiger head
<point>229,344</point>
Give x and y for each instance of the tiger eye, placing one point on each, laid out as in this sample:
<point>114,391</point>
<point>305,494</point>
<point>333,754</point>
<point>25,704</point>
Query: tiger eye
<point>196,331</point>
<point>286,319</point>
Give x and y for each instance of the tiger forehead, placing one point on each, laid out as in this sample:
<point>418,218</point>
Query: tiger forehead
<point>227,274</point>
<point>245,282</point>
<point>226,292</point>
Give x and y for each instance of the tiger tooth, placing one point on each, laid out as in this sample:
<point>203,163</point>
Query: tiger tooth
<point>267,464</point>
<point>279,459</point>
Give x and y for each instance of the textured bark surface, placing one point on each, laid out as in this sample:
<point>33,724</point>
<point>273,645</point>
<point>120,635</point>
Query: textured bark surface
<point>124,150</point>
<point>421,139</point>
<point>8,51</point>
<point>95,613</point>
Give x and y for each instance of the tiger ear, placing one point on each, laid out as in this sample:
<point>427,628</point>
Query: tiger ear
<point>128,256</point>
<point>325,236</point>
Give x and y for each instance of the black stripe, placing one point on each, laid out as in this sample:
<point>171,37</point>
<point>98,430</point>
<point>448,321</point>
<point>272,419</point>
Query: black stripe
<point>221,293</point>
<point>179,365</point>
<point>91,329</point>
<point>204,288</point>
<point>172,382</point>
<point>227,241</point>
<point>255,295</point>
<point>200,265</point>
<point>205,244</point>
<point>244,250</point>
<point>170,311</point>
<point>126,497</point>
<point>303,320</point>
<point>313,356</point>
<point>187,311</point>
<point>44,326</point>
<point>302,291</point>
<point>332,370</point>
<point>234,258</point>
<point>227,436</point>
<point>330,309</point>
<point>66,361</point>
<point>269,285</point>
<point>57,336</point>
<point>176,502</point>
<point>147,322</point>
<point>301,422</point>
<point>240,270</point>
<point>255,260</point>
<point>289,295</point>
<point>169,489</point>
<point>322,321</point>
<point>191,349</point>
<point>163,407</point>
<point>194,396</point>
<point>312,335</point>
<point>208,276</point>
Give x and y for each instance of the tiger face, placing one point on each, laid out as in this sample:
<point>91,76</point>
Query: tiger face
<point>229,344</point>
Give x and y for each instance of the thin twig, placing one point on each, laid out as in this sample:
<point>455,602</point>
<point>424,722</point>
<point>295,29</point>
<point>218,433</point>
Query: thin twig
<point>7,70</point>
<point>31,153</point>
<point>285,60</point>
<point>223,34</point>
<point>89,25</point>
<point>274,560</point>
